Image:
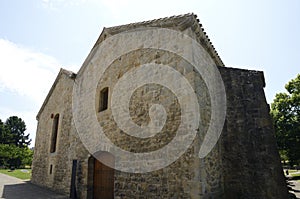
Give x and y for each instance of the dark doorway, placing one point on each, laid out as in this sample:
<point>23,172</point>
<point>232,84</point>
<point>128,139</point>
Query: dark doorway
<point>103,177</point>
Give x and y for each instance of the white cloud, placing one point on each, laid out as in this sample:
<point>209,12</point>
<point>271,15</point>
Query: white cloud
<point>55,4</point>
<point>26,72</point>
<point>118,9</point>
<point>116,6</point>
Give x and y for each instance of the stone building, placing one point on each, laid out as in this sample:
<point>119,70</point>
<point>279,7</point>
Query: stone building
<point>77,117</point>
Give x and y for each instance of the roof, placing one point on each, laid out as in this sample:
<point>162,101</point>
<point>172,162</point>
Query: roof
<point>62,71</point>
<point>180,22</point>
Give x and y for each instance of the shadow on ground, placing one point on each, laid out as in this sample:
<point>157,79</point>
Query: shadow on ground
<point>293,187</point>
<point>28,190</point>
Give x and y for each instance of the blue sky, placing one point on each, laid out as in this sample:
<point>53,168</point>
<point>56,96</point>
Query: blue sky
<point>38,37</point>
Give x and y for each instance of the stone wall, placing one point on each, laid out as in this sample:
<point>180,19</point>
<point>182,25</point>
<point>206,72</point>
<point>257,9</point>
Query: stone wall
<point>68,145</point>
<point>250,158</point>
<point>244,164</point>
<point>188,177</point>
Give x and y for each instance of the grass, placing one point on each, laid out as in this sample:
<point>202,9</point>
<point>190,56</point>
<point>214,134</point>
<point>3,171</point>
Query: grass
<point>295,176</point>
<point>18,173</point>
<point>292,171</point>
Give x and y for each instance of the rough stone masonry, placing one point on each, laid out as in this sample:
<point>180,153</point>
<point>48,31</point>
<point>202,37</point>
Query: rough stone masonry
<point>243,164</point>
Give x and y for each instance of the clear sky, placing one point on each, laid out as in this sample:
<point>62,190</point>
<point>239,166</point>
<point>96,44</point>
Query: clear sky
<point>38,37</point>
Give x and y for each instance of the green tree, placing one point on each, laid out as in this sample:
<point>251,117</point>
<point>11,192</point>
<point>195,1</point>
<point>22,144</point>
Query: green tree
<point>16,132</point>
<point>5,137</point>
<point>14,151</point>
<point>285,111</point>
<point>27,156</point>
<point>13,156</point>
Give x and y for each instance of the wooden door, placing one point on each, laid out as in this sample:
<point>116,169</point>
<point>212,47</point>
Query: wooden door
<point>103,178</point>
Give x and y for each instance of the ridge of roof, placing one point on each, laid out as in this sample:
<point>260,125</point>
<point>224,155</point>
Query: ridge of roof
<point>62,71</point>
<point>180,22</point>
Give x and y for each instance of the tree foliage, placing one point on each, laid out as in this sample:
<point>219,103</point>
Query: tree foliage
<point>5,136</point>
<point>15,130</point>
<point>13,156</point>
<point>14,151</point>
<point>285,111</point>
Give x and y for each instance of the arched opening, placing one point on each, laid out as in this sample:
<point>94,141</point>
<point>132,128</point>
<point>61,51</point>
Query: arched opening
<point>50,171</point>
<point>103,103</point>
<point>101,176</point>
<point>54,133</point>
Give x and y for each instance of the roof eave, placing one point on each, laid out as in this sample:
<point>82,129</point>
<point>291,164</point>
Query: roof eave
<point>62,71</point>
